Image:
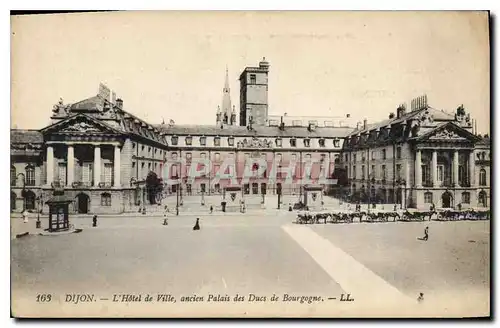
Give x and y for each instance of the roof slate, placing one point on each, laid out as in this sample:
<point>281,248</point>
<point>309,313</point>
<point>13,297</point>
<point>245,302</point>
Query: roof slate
<point>25,136</point>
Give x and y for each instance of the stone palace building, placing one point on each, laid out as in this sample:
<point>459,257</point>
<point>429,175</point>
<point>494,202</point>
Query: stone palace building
<point>101,154</point>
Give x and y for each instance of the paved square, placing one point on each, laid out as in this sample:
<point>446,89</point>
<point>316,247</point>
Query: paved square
<point>243,254</point>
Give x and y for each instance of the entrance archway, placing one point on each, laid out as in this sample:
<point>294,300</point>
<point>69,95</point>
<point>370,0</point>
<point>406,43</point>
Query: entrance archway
<point>13,197</point>
<point>447,200</point>
<point>29,200</point>
<point>82,203</point>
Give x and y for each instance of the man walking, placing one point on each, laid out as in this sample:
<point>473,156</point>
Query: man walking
<point>197,225</point>
<point>25,216</point>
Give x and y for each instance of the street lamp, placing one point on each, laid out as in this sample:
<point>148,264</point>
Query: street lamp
<point>39,201</point>
<point>403,188</point>
<point>177,195</point>
<point>24,189</point>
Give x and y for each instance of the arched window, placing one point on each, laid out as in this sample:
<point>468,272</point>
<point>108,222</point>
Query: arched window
<point>466,197</point>
<point>428,197</point>
<point>13,176</point>
<point>29,200</point>
<point>105,199</point>
<point>482,199</point>
<point>482,177</point>
<point>30,175</point>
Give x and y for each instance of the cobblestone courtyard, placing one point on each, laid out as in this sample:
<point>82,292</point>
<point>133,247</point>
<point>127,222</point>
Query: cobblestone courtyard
<point>378,264</point>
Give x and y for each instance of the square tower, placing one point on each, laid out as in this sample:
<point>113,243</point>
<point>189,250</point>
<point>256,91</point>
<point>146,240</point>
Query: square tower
<point>253,94</point>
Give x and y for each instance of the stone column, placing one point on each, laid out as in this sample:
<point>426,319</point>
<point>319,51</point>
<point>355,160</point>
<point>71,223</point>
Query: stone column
<point>117,167</point>
<point>434,169</point>
<point>71,165</point>
<point>472,168</point>
<point>455,167</point>
<point>418,168</point>
<point>50,165</point>
<point>97,165</point>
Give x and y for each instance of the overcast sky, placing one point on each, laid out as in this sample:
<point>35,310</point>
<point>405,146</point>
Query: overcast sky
<point>171,65</point>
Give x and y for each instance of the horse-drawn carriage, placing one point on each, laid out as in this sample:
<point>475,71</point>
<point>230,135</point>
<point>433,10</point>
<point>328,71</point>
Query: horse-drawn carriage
<point>468,214</point>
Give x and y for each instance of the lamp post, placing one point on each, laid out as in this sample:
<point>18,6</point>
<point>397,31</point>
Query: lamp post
<point>177,195</point>
<point>279,197</point>
<point>403,188</point>
<point>24,189</point>
<point>39,201</point>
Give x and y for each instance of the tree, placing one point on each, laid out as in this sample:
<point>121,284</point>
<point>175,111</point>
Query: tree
<point>154,186</point>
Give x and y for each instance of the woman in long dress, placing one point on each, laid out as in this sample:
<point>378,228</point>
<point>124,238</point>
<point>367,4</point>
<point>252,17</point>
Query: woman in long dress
<point>25,216</point>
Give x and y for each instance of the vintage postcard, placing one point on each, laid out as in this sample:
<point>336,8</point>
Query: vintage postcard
<point>250,164</point>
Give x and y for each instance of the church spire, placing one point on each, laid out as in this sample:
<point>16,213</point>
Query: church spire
<point>226,100</point>
<point>226,83</point>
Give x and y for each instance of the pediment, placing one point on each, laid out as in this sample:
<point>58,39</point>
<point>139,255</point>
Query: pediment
<point>449,132</point>
<point>81,124</point>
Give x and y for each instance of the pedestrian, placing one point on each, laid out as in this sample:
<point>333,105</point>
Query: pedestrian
<point>211,209</point>
<point>165,218</point>
<point>94,220</point>
<point>197,224</point>
<point>420,297</point>
<point>25,216</point>
<point>426,234</point>
<point>166,209</point>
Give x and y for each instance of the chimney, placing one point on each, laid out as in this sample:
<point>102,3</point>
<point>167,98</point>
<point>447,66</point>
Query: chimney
<point>401,111</point>
<point>119,103</point>
<point>365,124</point>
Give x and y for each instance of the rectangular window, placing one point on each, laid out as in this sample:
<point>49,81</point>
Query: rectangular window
<point>203,155</point>
<point>203,141</point>
<point>30,175</point>
<point>398,153</point>
<point>384,173</point>
<point>384,154</point>
<point>106,199</point>
<point>217,141</point>
<point>189,156</point>
<point>87,172</point>
<point>398,171</point>
<point>321,142</point>
<point>354,158</point>
<point>354,171</point>
<point>253,79</point>
<point>279,142</point>
<point>362,172</point>
<point>373,155</point>
<point>108,173</point>
<point>189,141</point>
<point>62,173</point>
<point>293,142</point>
<point>307,142</point>
<point>373,173</point>
<point>246,189</point>
<point>428,197</point>
<point>230,141</point>
<point>217,157</point>
<point>440,175</point>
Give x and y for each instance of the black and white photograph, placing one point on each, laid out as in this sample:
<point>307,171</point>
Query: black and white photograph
<point>250,164</point>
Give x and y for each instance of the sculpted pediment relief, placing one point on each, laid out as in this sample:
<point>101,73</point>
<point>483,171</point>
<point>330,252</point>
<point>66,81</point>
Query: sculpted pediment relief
<point>447,135</point>
<point>83,127</point>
